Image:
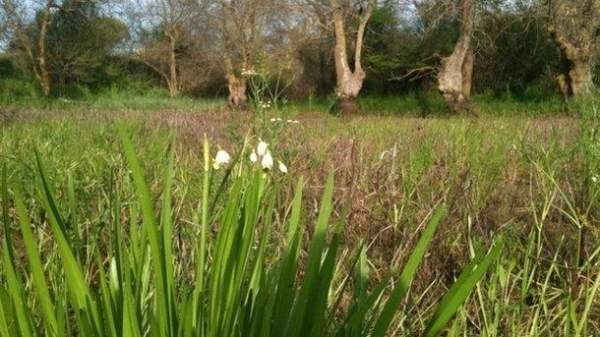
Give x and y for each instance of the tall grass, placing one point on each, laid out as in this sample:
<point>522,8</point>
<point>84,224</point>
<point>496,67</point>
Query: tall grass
<point>533,179</point>
<point>243,279</point>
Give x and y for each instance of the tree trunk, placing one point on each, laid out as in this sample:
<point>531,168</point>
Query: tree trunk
<point>580,78</point>
<point>43,74</point>
<point>348,105</point>
<point>575,31</point>
<point>349,83</point>
<point>577,79</point>
<point>174,88</point>
<point>237,92</point>
<point>455,78</point>
<point>349,86</point>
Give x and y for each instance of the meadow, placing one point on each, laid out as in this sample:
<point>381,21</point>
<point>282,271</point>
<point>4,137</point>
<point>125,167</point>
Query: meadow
<point>118,221</point>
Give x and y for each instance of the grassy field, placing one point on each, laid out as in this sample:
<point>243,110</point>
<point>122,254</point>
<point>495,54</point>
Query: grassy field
<point>135,234</point>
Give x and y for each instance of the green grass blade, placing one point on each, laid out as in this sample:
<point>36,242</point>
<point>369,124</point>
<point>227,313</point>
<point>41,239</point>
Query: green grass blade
<point>6,315</point>
<point>408,273</point>
<point>460,290</point>
<point>167,234</point>
<point>14,283</point>
<point>35,262</point>
<point>315,254</point>
<point>286,284</point>
<point>154,236</point>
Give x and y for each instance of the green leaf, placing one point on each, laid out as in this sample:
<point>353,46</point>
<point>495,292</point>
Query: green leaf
<point>461,289</point>
<point>410,269</point>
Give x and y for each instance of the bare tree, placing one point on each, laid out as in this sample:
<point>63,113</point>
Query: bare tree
<point>350,81</point>
<point>7,13</point>
<point>242,27</point>
<point>32,38</point>
<point>575,27</point>
<point>456,74</point>
<point>40,29</point>
<point>339,16</point>
<point>160,28</point>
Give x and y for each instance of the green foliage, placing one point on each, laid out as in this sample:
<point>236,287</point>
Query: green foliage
<point>533,178</point>
<point>248,287</point>
<point>80,41</point>
<point>516,53</point>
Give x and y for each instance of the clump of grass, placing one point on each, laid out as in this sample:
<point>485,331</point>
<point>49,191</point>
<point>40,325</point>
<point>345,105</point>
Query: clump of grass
<point>241,279</point>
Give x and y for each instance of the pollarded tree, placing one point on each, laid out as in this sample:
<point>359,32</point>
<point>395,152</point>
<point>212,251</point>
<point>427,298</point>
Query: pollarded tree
<point>350,81</point>
<point>575,27</point>
<point>243,27</point>
<point>237,22</point>
<point>348,20</point>
<point>456,75</point>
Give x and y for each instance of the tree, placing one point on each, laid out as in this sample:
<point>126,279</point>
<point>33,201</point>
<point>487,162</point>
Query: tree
<point>456,75</point>
<point>348,20</point>
<point>31,37</point>
<point>161,31</point>
<point>349,81</point>
<point>242,27</point>
<point>80,38</point>
<point>575,27</point>
<point>65,40</point>
<point>514,51</point>
<point>7,14</point>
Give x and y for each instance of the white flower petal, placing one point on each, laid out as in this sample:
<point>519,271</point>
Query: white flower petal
<point>261,148</point>
<point>267,161</point>
<point>282,167</point>
<point>253,157</point>
<point>221,158</point>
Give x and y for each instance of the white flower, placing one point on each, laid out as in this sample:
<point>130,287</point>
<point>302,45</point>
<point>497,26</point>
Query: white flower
<point>293,121</point>
<point>221,158</point>
<point>276,120</point>
<point>267,161</point>
<point>595,179</point>
<point>261,148</point>
<point>253,157</point>
<point>282,167</point>
<point>265,104</point>
<point>249,72</point>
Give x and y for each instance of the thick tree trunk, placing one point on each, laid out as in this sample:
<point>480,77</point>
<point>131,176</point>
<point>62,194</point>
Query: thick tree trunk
<point>580,78</point>
<point>455,78</point>
<point>237,92</point>
<point>574,28</point>
<point>348,105</point>
<point>577,79</point>
<point>349,83</point>
<point>349,86</point>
